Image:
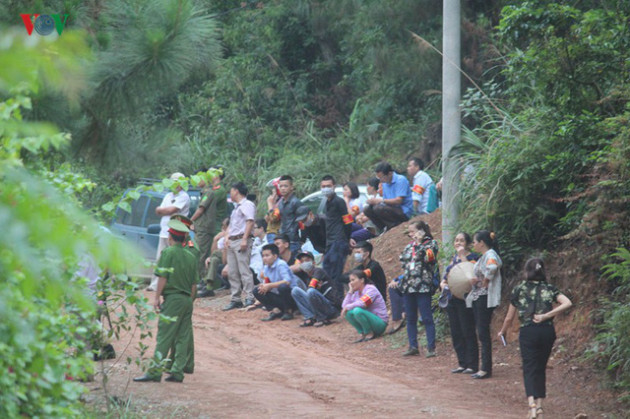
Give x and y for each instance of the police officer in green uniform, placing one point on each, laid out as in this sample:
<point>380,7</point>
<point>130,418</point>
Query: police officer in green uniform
<point>189,244</point>
<point>207,218</point>
<point>177,284</point>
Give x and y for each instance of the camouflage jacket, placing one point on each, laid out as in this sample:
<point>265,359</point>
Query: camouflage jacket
<point>533,297</point>
<point>419,262</point>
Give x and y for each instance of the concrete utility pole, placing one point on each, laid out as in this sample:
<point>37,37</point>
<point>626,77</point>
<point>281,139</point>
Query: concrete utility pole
<point>451,115</point>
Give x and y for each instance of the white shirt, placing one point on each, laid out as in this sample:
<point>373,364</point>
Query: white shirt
<point>420,190</point>
<point>356,204</point>
<point>181,200</point>
<point>256,262</point>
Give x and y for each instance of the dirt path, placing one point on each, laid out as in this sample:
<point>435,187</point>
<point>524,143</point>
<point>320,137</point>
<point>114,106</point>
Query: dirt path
<point>247,368</point>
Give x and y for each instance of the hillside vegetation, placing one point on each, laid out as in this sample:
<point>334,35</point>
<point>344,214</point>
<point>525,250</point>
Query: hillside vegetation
<point>147,87</point>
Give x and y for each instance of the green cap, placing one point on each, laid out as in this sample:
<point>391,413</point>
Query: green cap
<point>185,220</point>
<point>177,228</point>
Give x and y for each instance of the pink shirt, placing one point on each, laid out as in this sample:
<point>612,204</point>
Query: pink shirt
<point>243,212</point>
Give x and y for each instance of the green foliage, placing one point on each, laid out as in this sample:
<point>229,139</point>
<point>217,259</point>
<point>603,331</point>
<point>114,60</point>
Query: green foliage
<point>526,170</point>
<point>47,319</point>
<point>613,341</point>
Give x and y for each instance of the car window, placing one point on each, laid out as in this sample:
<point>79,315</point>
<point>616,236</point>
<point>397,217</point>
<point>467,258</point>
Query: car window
<point>137,210</point>
<point>152,217</point>
<point>122,216</point>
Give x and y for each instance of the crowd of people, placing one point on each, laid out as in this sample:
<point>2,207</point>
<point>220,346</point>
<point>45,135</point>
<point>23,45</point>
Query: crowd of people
<point>291,261</point>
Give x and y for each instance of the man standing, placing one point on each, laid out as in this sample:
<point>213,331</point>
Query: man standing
<point>338,229</point>
<point>177,202</point>
<point>177,284</point>
<point>287,213</point>
<point>421,185</point>
<point>211,211</point>
<point>239,247</point>
<point>395,206</point>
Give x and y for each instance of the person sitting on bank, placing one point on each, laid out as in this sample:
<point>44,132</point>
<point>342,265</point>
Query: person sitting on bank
<point>422,184</point>
<point>274,290</point>
<point>260,240</point>
<point>283,244</point>
<point>364,307</point>
<point>362,255</point>
<point>320,303</point>
<point>218,256</point>
<point>395,207</point>
<point>177,284</point>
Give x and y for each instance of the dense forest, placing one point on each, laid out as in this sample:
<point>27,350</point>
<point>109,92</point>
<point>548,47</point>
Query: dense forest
<point>142,88</point>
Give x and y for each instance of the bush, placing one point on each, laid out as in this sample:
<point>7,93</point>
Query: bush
<point>613,340</point>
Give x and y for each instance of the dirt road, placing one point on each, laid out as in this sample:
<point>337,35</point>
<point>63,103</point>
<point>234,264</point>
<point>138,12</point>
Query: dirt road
<point>246,368</point>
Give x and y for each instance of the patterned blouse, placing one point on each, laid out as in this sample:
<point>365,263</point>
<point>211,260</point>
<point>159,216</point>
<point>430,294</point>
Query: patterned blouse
<point>419,262</point>
<point>533,297</point>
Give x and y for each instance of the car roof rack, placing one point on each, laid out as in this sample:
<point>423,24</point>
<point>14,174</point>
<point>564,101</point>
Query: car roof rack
<point>148,181</point>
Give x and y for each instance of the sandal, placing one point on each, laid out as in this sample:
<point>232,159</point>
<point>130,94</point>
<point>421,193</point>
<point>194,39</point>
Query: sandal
<point>532,411</point>
<point>539,412</point>
<point>322,323</point>
<point>307,323</point>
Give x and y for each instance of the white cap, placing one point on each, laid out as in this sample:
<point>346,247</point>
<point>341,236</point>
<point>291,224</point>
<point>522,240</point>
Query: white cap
<point>177,175</point>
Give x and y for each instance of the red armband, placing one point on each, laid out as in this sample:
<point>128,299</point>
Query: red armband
<point>430,255</point>
<point>347,219</point>
<point>368,273</point>
<point>314,283</point>
<point>367,300</point>
<point>418,189</point>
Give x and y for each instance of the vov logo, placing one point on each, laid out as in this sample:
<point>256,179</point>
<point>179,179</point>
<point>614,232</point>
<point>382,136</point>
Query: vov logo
<point>44,24</point>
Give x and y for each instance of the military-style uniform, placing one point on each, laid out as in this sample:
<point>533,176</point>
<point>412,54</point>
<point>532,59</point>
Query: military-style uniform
<point>191,245</point>
<point>179,267</point>
<point>208,225</point>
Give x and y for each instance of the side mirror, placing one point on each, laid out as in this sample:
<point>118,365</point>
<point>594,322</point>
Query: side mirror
<point>154,229</point>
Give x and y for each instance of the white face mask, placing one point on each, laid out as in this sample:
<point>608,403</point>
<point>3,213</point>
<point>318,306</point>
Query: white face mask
<point>327,191</point>
<point>358,257</point>
<point>306,266</point>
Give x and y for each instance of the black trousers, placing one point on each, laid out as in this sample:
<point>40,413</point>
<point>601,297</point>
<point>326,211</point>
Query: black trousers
<point>462,323</point>
<point>384,215</point>
<point>483,316</point>
<point>282,300</point>
<point>536,342</point>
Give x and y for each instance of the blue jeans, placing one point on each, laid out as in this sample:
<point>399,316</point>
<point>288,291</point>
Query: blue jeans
<point>397,303</point>
<point>313,304</point>
<point>413,302</point>
<point>334,260</point>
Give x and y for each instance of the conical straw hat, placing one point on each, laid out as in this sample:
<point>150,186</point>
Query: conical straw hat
<point>459,279</point>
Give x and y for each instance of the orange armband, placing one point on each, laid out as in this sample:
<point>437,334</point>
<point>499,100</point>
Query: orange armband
<point>367,300</point>
<point>418,189</point>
